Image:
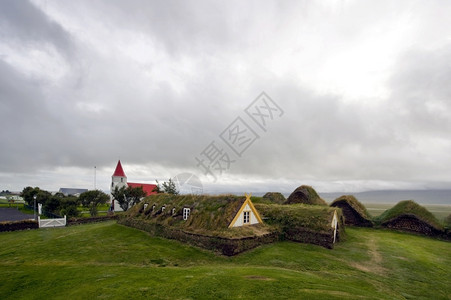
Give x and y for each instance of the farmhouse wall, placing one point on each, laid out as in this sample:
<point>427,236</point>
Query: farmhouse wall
<point>225,246</point>
<point>411,223</point>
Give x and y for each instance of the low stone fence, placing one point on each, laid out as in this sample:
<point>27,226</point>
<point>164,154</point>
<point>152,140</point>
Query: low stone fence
<point>78,221</point>
<point>226,246</point>
<point>18,225</point>
<point>306,235</point>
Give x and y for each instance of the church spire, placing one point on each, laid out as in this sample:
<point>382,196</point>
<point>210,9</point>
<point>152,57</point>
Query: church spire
<point>119,171</point>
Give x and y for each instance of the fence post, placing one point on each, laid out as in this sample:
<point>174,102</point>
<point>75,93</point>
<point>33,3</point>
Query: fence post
<point>39,221</point>
<point>65,220</point>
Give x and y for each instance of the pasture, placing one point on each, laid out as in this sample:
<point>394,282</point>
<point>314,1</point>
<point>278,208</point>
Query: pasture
<point>107,260</point>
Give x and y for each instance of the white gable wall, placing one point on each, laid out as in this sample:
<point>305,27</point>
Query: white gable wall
<point>252,218</point>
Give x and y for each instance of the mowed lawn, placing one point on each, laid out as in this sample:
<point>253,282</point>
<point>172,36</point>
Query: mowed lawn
<point>110,261</point>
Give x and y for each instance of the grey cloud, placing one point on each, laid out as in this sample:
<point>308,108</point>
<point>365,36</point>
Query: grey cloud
<point>22,23</point>
<point>31,133</point>
<point>106,107</point>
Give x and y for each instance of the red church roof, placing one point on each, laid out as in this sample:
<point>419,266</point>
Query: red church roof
<point>119,171</point>
<point>147,188</point>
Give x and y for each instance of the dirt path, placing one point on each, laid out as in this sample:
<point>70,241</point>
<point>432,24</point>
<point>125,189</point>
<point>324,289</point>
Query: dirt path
<point>374,265</point>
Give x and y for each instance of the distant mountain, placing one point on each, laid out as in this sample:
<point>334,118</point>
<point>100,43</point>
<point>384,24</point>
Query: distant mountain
<point>394,196</point>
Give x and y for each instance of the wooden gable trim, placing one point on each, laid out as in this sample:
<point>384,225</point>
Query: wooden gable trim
<point>248,202</point>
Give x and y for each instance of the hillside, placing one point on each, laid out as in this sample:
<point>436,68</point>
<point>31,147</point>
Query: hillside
<point>106,260</point>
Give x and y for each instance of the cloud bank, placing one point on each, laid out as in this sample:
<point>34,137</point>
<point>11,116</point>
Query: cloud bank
<point>364,87</point>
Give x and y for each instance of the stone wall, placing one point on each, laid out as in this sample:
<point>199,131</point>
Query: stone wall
<point>18,225</point>
<point>226,246</point>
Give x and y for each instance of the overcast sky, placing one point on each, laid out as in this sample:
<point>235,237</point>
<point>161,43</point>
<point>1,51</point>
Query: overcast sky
<point>359,92</point>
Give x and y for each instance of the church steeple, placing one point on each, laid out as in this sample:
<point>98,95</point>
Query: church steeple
<point>119,171</point>
<point>118,179</point>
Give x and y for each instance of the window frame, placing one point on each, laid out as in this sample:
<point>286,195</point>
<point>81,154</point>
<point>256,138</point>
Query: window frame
<point>186,213</point>
<point>248,219</point>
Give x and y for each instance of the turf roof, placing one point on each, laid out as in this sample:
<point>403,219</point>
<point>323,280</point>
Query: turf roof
<point>210,215</point>
<point>275,197</point>
<point>318,218</point>
<point>305,194</point>
<point>413,208</point>
<point>354,203</point>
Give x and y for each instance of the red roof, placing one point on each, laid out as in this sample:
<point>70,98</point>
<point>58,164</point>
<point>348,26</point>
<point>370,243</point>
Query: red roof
<point>147,188</point>
<point>119,171</point>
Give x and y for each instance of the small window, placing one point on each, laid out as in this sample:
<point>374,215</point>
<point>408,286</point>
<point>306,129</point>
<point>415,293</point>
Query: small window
<point>186,212</point>
<point>246,217</point>
<point>122,179</point>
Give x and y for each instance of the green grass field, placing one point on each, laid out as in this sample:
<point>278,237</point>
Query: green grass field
<point>107,260</point>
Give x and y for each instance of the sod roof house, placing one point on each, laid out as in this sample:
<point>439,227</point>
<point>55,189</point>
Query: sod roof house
<point>275,197</point>
<point>199,213</point>
<point>232,224</point>
<point>319,225</point>
<point>410,216</point>
<point>119,179</point>
<point>354,212</point>
<point>306,195</point>
<point>226,223</point>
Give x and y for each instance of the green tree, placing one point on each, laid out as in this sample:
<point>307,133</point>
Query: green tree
<point>134,194</point>
<point>28,194</point>
<point>92,199</point>
<point>119,195</point>
<point>43,197</point>
<point>170,187</point>
<point>52,205</point>
<point>158,188</point>
<point>128,196</point>
<point>68,206</point>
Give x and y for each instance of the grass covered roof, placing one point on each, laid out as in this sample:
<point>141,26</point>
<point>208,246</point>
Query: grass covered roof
<point>306,195</point>
<point>275,197</point>
<point>318,218</point>
<point>409,207</point>
<point>354,203</point>
<point>209,215</point>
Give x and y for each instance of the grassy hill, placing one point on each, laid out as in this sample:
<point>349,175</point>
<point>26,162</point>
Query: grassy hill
<point>106,260</point>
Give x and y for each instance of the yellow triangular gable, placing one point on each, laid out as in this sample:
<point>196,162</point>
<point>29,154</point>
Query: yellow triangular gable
<point>247,202</point>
